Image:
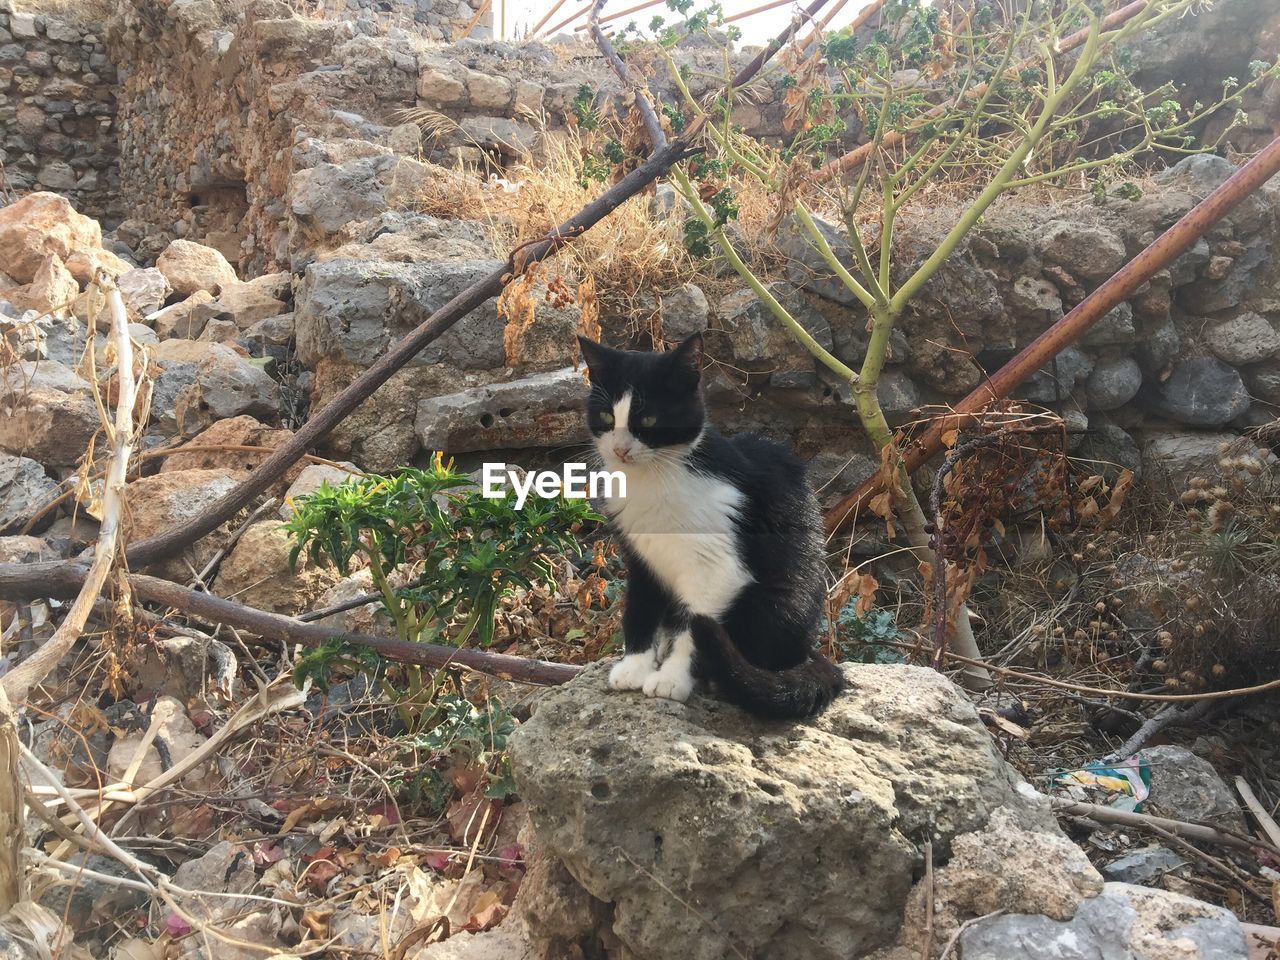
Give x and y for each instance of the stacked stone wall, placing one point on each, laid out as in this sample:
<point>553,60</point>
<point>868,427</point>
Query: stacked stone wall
<point>57,111</point>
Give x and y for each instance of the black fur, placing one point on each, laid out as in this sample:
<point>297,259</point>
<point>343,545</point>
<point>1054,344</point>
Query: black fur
<point>761,654</point>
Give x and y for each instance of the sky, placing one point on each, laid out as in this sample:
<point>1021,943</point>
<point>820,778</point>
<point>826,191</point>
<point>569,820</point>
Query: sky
<point>758,28</point>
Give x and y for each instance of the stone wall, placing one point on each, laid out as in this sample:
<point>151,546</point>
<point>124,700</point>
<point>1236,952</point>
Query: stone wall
<point>432,19</point>
<point>57,112</point>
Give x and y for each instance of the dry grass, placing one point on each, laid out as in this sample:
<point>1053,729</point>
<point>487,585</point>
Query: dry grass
<point>633,257</point>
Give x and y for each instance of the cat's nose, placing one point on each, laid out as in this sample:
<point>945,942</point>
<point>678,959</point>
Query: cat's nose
<point>623,453</point>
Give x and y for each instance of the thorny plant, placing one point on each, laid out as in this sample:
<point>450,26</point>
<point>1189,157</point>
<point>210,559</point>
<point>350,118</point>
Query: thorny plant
<point>456,552</point>
<point>981,102</point>
<point>1010,465</point>
<point>1210,580</point>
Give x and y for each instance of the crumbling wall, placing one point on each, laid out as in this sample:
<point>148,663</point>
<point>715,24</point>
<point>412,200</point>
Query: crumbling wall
<point>57,112</point>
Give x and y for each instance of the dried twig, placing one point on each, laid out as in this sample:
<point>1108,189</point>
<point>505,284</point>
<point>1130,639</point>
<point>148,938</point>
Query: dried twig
<point>1199,832</point>
<point>1171,715</point>
<point>18,681</point>
<point>955,937</point>
<point>66,579</point>
<point>657,139</point>
<point>1265,821</point>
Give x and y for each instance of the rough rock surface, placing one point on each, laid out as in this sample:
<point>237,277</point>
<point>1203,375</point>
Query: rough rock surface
<point>1201,392</point>
<point>46,413</point>
<point>38,225</point>
<point>546,408</point>
<point>256,572</point>
<point>156,503</point>
<point>24,487</point>
<point>190,266</point>
<point>1125,923</point>
<point>645,802</point>
<point>1186,787</point>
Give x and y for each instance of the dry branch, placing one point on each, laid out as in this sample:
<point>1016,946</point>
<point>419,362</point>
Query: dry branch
<point>1142,821</point>
<point>68,579</point>
<point>1160,253</point>
<point>18,681</point>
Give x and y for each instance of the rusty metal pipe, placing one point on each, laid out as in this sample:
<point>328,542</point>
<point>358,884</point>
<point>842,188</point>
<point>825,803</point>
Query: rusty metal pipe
<point>1164,250</point>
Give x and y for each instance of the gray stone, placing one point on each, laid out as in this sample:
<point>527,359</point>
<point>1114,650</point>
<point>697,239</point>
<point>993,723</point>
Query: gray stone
<point>801,840</point>
<point>1187,267</point>
<point>1108,450</point>
<point>834,474</point>
<point>805,265</point>
<point>328,197</point>
<point>544,410</point>
<point>24,488</point>
<point>57,175</point>
<point>758,340</point>
<point>1186,787</point>
<point>1210,296</point>
<point>23,25</point>
<point>1174,457</point>
<point>1125,922</point>
<point>1264,382</point>
<point>1114,328</point>
<point>511,138</point>
<point>1035,298</point>
<point>1084,250</point>
<point>144,290</point>
<point>49,416</point>
<point>60,31</point>
<point>89,903</point>
<point>898,396</point>
<point>1113,383</point>
<point>1200,392</point>
<point>1143,866</point>
<point>1056,379</point>
<point>1244,339</point>
<point>684,312</point>
<point>352,309</point>
<point>1156,349</point>
<point>203,382</point>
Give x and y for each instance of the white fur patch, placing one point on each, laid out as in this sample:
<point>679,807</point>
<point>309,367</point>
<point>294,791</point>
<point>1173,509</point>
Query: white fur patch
<point>631,672</point>
<point>681,523</point>
<point>674,679</point>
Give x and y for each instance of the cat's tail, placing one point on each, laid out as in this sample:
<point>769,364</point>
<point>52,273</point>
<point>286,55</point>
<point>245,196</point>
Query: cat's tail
<point>791,694</point>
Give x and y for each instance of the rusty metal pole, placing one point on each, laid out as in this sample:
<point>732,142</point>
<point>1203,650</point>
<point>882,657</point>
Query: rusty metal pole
<point>1164,250</point>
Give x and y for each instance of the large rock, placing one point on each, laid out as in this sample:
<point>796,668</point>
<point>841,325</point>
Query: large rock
<point>1247,338</point>
<point>784,840</point>
<point>46,413</point>
<point>256,572</point>
<point>1125,922</point>
<point>1085,250</point>
<point>758,341</point>
<point>53,288</point>
<point>201,383</point>
<point>258,299</point>
<point>191,266</point>
<point>38,225</point>
<point>221,447</point>
<point>1057,378</point>
<point>144,290</point>
<point>185,320</point>
<point>1113,383</point>
<point>1175,457</point>
<point>327,197</point>
<point>24,488</point>
<point>806,267</point>
<point>544,410</point>
<point>1186,787</point>
<point>158,502</point>
<point>353,309</point>
<point>1200,392</point>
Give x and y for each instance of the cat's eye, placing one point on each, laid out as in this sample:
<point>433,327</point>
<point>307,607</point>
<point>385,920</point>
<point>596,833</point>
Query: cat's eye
<point>606,418</point>
<point>648,421</point>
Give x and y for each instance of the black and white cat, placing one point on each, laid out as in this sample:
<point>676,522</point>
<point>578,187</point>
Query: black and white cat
<point>723,541</point>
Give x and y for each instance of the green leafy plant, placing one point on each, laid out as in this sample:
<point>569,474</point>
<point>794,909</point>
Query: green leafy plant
<point>456,552</point>
<point>865,638</point>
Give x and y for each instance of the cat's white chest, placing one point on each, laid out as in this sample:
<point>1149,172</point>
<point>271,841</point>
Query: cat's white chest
<point>682,525</point>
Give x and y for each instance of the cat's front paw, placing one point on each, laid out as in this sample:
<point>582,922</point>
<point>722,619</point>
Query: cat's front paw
<point>631,672</point>
<point>675,684</point>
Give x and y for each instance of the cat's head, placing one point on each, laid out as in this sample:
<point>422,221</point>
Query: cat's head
<point>644,407</point>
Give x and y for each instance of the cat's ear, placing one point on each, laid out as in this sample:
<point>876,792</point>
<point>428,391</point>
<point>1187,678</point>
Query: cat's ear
<point>688,357</point>
<point>597,358</point>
